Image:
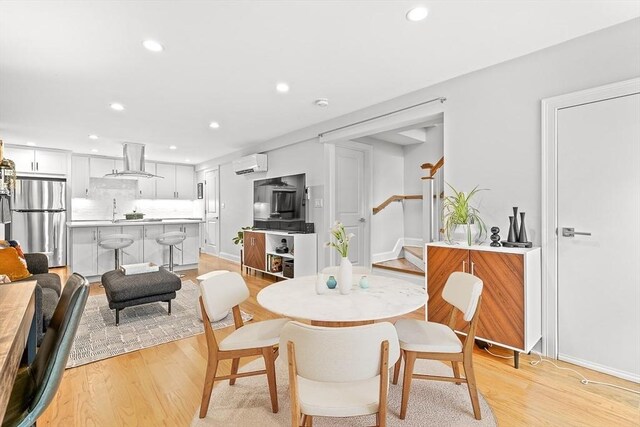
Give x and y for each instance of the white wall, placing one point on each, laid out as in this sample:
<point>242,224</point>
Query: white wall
<point>492,118</point>
<point>236,192</point>
<point>414,156</point>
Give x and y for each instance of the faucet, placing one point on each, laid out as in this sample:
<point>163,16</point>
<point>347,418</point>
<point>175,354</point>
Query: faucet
<point>115,209</point>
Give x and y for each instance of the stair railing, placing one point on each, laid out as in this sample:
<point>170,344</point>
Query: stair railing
<point>396,198</point>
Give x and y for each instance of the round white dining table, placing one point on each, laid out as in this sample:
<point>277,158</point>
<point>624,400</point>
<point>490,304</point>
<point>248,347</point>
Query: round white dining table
<point>385,297</point>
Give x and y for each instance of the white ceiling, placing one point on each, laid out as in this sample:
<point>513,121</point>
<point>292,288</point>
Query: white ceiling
<point>63,63</point>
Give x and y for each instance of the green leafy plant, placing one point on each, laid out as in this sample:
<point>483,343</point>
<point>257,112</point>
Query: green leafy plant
<point>239,239</point>
<point>342,239</point>
<point>457,210</point>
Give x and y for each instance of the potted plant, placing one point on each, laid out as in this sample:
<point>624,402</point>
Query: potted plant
<point>239,240</point>
<point>341,244</point>
<point>461,220</point>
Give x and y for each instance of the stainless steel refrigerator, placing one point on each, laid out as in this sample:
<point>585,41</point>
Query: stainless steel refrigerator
<point>38,217</point>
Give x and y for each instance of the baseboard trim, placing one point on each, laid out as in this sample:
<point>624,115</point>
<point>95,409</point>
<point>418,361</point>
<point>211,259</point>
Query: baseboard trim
<point>397,248</point>
<point>600,368</point>
<point>229,257</point>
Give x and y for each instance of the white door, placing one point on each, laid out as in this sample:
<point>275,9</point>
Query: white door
<point>211,200</point>
<point>191,245</point>
<point>166,186</point>
<point>351,193</point>
<point>24,158</point>
<point>84,251</point>
<point>599,274</point>
<point>79,176</point>
<point>185,182</point>
<point>53,162</point>
<point>153,252</point>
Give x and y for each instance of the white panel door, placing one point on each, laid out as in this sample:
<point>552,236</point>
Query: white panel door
<point>350,201</point>
<point>212,202</point>
<point>599,274</point>
<point>53,162</point>
<point>166,186</point>
<point>23,158</point>
<point>152,251</point>
<point>84,251</point>
<point>133,254</point>
<point>79,176</point>
<point>185,182</point>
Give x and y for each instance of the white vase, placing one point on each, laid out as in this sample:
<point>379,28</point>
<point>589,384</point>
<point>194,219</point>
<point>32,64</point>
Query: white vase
<point>462,233</point>
<point>345,275</point>
<point>321,284</point>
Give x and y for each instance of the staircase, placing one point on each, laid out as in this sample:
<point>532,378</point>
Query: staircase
<point>410,261</point>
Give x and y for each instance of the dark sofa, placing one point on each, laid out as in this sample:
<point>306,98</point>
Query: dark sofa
<point>47,290</point>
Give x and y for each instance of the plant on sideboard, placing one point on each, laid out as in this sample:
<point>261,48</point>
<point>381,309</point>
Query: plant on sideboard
<point>461,218</point>
<point>239,239</point>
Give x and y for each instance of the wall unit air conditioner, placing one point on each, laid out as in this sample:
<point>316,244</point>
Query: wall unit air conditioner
<point>250,164</point>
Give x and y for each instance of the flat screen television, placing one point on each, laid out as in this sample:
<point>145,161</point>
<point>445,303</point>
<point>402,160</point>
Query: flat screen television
<point>280,203</point>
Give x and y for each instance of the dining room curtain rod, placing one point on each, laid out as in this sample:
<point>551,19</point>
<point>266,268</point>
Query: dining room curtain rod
<point>442,99</point>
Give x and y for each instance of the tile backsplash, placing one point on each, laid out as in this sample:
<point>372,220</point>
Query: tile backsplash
<point>99,206</point>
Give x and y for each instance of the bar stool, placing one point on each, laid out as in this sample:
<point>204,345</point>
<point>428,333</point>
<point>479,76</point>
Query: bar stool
<point>116,242</point>
<point>216,316</point>
<point>171,239</point>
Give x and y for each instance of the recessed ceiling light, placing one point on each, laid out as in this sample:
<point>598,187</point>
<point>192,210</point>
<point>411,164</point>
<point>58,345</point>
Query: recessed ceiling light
<point>94,150</point>
<point>282,87</point>
<point>93,136</point>
<point>152,45</point>
<point>117,107</point>
<point>214,125</point>
<point>417,14</point>
<point>172,147</point>
<point>187,160</point>
<point>31,144</point>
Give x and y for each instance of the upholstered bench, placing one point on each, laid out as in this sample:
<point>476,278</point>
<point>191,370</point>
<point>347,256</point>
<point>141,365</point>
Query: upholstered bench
<point>127,291</point>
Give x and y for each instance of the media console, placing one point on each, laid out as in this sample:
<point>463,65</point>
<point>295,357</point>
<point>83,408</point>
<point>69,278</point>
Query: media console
<point>259,253</point>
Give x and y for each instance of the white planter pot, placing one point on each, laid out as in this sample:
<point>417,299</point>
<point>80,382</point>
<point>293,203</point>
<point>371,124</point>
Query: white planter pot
<point>465,234</point>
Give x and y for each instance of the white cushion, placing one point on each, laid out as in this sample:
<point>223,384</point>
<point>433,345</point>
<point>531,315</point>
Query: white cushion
<point>428,337</point>
<point>333,399</point>
<point>254,335</point>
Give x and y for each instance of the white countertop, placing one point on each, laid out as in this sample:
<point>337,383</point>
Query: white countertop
<point>76,224</point>
<point>386,297</point>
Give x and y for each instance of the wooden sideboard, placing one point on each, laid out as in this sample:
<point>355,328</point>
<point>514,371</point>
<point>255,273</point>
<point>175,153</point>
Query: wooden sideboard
<point>511,312</point>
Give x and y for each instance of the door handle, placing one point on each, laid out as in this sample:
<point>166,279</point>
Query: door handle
<point>473,264</point>
<point>94,235</point>
<point>32,168</point>
<point>571,232</point>
<point>464,266</point>
<point>36,165</point>
<point>86,192</point>
<point>362,220</point>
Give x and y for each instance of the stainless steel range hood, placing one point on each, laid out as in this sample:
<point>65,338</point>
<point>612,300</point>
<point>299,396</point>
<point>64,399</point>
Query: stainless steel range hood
<point>133,156</point>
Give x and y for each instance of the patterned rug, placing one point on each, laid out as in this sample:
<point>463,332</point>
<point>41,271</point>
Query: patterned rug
<point>431,403</point>
<point>140,327</point>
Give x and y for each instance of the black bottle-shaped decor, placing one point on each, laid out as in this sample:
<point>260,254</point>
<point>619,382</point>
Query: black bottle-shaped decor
<point>495,237</point>
<point>512,233</point>
<point>516,229</point>
<point>522,236</point>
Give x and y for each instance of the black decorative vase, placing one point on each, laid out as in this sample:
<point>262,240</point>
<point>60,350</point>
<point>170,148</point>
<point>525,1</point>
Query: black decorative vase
<point>522,236</point>
<point>512,232</point>
<point>495,238</point>
<point>516,229</point>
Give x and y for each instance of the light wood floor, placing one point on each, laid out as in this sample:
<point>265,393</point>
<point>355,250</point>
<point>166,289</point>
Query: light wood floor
<point>162,385</point>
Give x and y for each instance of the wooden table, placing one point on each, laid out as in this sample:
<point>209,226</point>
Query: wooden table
<point>386,297</point>
<point>17,309</point>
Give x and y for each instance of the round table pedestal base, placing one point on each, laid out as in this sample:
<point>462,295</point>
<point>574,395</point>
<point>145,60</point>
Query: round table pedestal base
<point>341,324</point>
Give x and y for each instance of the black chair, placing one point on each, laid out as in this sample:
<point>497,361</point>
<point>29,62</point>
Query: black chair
<point>36,385</point>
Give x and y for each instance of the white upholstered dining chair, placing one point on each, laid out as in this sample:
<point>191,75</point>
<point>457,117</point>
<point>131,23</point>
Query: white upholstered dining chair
<point>435,341</point>
<point>338,372</point>
<point>225,292</point>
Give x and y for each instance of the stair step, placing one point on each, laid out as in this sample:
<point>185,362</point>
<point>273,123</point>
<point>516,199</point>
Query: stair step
<point>417,251</point>
<point>401,265</point>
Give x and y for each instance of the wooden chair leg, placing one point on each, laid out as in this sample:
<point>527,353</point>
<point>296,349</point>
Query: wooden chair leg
<point>409,362</point>
<point>212,368</point>
<point>309,421</point>
<point>234,370</point>
<point>396,369</point>
<point>456,370</point>
<point>471,383</point>
<point>270,364</point>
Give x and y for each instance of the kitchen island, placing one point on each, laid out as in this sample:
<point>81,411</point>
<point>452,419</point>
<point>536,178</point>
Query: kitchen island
<point>89,259</point>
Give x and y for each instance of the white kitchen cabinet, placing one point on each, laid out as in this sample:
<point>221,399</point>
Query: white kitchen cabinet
<point>79,176</point>
<point>185,182</point>
<point>153,252</point>
<point>147,186</point>
<point>29,160</point>
<point>133,254</point>
<point>100,166</point>
<point>166,188</point>
<point>191,245</point>
<point>106,257</point>
<point>84,250</point>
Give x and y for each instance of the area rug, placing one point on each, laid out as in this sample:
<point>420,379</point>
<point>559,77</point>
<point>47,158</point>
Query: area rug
<point>432,403</point>
<point>140,327</point>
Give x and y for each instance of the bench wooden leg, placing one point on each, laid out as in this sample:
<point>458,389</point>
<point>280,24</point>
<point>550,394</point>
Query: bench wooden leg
<point>117,316</point>
<point>169,308</point>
